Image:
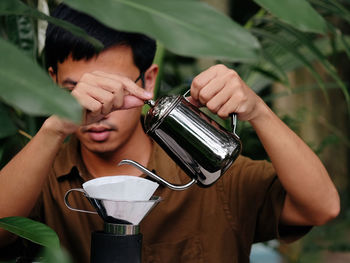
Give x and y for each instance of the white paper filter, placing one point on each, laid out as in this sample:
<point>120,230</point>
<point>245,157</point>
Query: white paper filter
<point>123,197</point>
<point>120,188</point>
<point>131,211</point>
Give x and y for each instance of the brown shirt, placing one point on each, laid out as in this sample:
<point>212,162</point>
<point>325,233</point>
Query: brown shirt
<point>215,224</point>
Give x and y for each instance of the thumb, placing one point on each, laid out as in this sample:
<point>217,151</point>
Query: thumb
<point>131,102</point>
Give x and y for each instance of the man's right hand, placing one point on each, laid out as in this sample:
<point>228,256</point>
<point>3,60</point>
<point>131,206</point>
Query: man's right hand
<point>99,93</point>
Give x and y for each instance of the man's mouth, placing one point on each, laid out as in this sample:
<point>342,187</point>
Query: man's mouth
<point>99,134</point>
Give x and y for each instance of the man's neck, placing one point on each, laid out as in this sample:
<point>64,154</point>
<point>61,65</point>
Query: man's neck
<point>138,148</point>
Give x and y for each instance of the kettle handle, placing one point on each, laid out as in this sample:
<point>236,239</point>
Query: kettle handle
<point>234,123</point>
<point>156,177</point>
<point>232,115</point>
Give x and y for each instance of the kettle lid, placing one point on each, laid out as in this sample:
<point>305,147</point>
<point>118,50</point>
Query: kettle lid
<point>159,110</point>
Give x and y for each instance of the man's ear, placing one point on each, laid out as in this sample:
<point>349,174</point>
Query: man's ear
<point>151,77</point>
<point>53,75</point>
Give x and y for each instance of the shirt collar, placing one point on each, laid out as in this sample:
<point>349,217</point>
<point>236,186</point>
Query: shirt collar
<point>70,157</point>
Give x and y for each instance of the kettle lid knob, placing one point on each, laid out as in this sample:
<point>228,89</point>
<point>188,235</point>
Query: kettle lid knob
<point>159,109</point>
<point>151,103</point>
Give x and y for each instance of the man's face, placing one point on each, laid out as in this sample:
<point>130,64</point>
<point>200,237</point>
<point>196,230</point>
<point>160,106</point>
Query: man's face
<point>118,127</point>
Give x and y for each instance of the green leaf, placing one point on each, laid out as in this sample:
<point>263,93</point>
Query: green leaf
<point>298,13</point>
<point>287,60</point>
<point>344,43</point>
<point>333,8</point>
<point>16,7</point>
<point>7,127</point>
<point>291,49</point>
<point>276,66</point>
<point>318,54</point>
<point>25,85</point>
<point>56,255</point>
<point>31,230</point>
<point>21,32</point>
<point>188,28</point>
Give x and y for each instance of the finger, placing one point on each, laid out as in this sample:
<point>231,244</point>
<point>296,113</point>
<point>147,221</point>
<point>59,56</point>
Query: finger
<point>132,102</point>
<point>234,105</point>
<point>200,81</point>
<point>85,100</point>
<point>119,91</point>
<point>205,77</point>
<point>217,101</point>
<point>105,83</point>
<point>114,88</point>
<point>226,109</point>
<point>213,87</point>
<point>105,97</point>
<point>118,98</point>
<point>128,85</point>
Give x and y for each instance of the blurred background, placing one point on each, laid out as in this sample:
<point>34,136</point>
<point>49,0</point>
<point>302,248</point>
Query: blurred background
<point>303,76</point>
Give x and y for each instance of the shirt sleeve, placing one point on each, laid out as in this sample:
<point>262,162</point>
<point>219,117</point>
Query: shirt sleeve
<point>255,199</point>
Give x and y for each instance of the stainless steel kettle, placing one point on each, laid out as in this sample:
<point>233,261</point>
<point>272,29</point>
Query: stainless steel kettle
<point>198,144</point>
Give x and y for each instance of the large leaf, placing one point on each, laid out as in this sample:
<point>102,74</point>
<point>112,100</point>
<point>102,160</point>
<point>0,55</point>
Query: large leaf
<point>185,27</point>
<point>332,7</point>
<point>318,54</point>
<point>21,31</point>
<point>286,45</point>
<point>297,13</point>
<point>31,230</point>
<point>16,7</point>
<point>25,85</point>
<point>287,60</point>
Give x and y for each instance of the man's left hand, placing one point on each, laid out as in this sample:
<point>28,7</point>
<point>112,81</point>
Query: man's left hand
<point>223,92</point>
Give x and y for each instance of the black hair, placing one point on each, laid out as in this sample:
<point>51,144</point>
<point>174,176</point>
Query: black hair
<point>60,43</point>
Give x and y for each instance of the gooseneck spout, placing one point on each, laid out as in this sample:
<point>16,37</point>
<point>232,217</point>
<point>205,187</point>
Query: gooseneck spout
<point>156,177</point>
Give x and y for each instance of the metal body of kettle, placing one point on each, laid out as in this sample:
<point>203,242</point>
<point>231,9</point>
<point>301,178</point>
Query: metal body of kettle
<point>198,144</point>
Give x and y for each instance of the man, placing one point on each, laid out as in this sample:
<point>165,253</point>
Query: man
<point>254,201</point>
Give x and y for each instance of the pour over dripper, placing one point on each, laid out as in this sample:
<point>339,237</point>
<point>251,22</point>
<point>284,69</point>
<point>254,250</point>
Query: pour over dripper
<point>118,199</point>
<point>115,200</point>
<point>116,212</point>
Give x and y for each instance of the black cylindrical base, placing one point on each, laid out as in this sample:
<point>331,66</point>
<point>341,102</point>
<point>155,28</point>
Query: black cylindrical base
<point>107,248</point>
